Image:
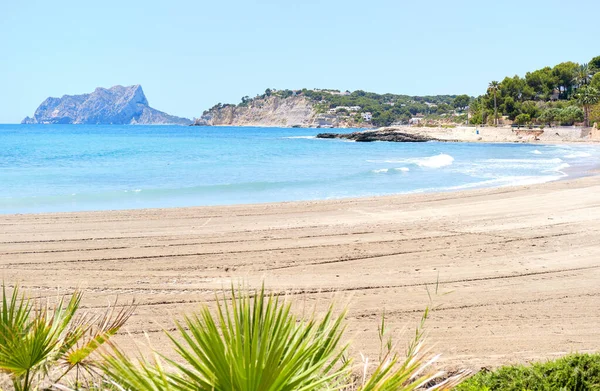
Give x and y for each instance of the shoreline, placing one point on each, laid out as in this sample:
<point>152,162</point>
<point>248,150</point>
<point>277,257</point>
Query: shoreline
<point>574,175</point>
<point>521,263</point>
<point>473,134</point>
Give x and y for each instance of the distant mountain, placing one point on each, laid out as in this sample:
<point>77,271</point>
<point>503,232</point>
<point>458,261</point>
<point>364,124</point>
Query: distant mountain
<point>117,105</point>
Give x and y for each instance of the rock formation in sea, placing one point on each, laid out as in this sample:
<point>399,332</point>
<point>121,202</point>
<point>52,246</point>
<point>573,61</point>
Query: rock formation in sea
<point>378,135</point>
<point>116,105</point>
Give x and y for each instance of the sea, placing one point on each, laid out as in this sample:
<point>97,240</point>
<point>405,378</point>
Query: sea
<point>59,168</point>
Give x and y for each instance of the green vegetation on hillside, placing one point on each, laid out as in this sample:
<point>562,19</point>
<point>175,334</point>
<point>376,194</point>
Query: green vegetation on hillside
<point>577,372</point>
<point>559,95</point>
<point>384,109</point>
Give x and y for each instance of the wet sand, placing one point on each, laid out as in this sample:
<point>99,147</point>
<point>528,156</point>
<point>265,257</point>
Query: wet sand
<point>521,265</point>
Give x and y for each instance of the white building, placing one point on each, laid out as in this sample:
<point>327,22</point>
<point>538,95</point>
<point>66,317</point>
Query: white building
<point>367,116</point>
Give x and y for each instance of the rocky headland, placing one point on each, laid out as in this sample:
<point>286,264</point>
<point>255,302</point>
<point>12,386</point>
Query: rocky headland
<point>117,105</point>
<point>322,108</point>
<point>271,111</point>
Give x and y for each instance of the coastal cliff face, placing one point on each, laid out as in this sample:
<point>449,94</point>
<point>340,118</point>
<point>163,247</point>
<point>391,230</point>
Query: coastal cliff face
<point>271,111</point>
<point>116,105</point>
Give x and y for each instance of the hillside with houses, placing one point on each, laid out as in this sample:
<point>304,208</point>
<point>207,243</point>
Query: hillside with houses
<point>322,108</point>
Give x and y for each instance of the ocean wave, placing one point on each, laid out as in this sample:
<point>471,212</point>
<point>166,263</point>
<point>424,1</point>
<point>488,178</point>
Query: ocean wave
<point>559,168</point>
<point>436,161</point>
<point>441,160</point>
<point>536,152</point>
<point>390,170</point>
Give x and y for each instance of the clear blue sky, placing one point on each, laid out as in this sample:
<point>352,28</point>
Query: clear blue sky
<point>189,55</point>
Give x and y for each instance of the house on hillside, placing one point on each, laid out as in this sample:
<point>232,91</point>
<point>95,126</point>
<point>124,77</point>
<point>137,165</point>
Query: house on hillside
<point>417,119</point>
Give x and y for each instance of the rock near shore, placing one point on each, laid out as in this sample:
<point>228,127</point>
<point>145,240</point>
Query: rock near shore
<point>116,105</point>
<point>378,135</point>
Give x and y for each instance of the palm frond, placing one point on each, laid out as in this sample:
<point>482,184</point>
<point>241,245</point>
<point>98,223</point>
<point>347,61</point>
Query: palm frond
<point>249,342</point>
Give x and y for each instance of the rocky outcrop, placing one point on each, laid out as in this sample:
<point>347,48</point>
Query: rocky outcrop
<point>115,105</point>
<point>272,111</point>
<point>378,135</point>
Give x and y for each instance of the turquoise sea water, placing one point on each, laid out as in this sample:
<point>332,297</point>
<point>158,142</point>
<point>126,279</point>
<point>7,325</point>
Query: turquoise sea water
<point>47,168</point>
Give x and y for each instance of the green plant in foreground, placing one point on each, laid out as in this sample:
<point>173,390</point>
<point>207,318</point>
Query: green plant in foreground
<point>256,343</point>
<point>575,372</point>
<point>41,344</point>
<point>392,373</point>
<point>252,343</point>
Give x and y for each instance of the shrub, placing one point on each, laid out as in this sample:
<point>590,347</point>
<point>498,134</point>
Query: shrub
<point>40,344</point>
<point>522,119</point>
<point>578,372</point>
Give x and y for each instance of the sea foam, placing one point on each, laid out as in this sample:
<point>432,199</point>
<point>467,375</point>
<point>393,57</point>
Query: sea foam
<point>436,161</point>
<point>441,160</point>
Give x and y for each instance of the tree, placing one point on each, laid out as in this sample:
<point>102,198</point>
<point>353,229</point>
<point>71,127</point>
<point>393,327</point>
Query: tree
<point>566,73</point>
<point>594,65</point>
<point>522,119</point>
<point>596,81</point>
<point>531,108</point>
<point>587,97</point>
<point>542,81</point>
<point>461,102</point>
<point>245,100</point>
<point>582,77</point>
<point>495,87</point>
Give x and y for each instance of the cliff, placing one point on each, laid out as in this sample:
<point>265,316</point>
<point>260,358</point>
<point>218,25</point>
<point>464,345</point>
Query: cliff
<point>268,111</point>
<point>116,105</point>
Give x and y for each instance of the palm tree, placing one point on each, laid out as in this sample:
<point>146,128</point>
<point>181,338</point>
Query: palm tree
<point>495,87</point>
<point>587,97</point>
<point>582,77</point>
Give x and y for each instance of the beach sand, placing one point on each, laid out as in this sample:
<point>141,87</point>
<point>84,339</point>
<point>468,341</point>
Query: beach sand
<point>520,266</point>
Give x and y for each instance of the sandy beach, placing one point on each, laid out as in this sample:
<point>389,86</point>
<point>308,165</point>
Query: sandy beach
<point>520,266</point>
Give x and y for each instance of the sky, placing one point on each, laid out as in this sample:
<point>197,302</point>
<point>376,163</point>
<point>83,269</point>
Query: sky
<point>189,55</point>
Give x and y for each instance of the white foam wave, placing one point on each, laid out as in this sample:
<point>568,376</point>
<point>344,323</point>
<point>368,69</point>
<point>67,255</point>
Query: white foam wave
<point>402,169</point>
<point>575,155</point>
<point>536,152</point>
<point>437,161</point>
<point>559,168</point>
<point>381,170</point>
